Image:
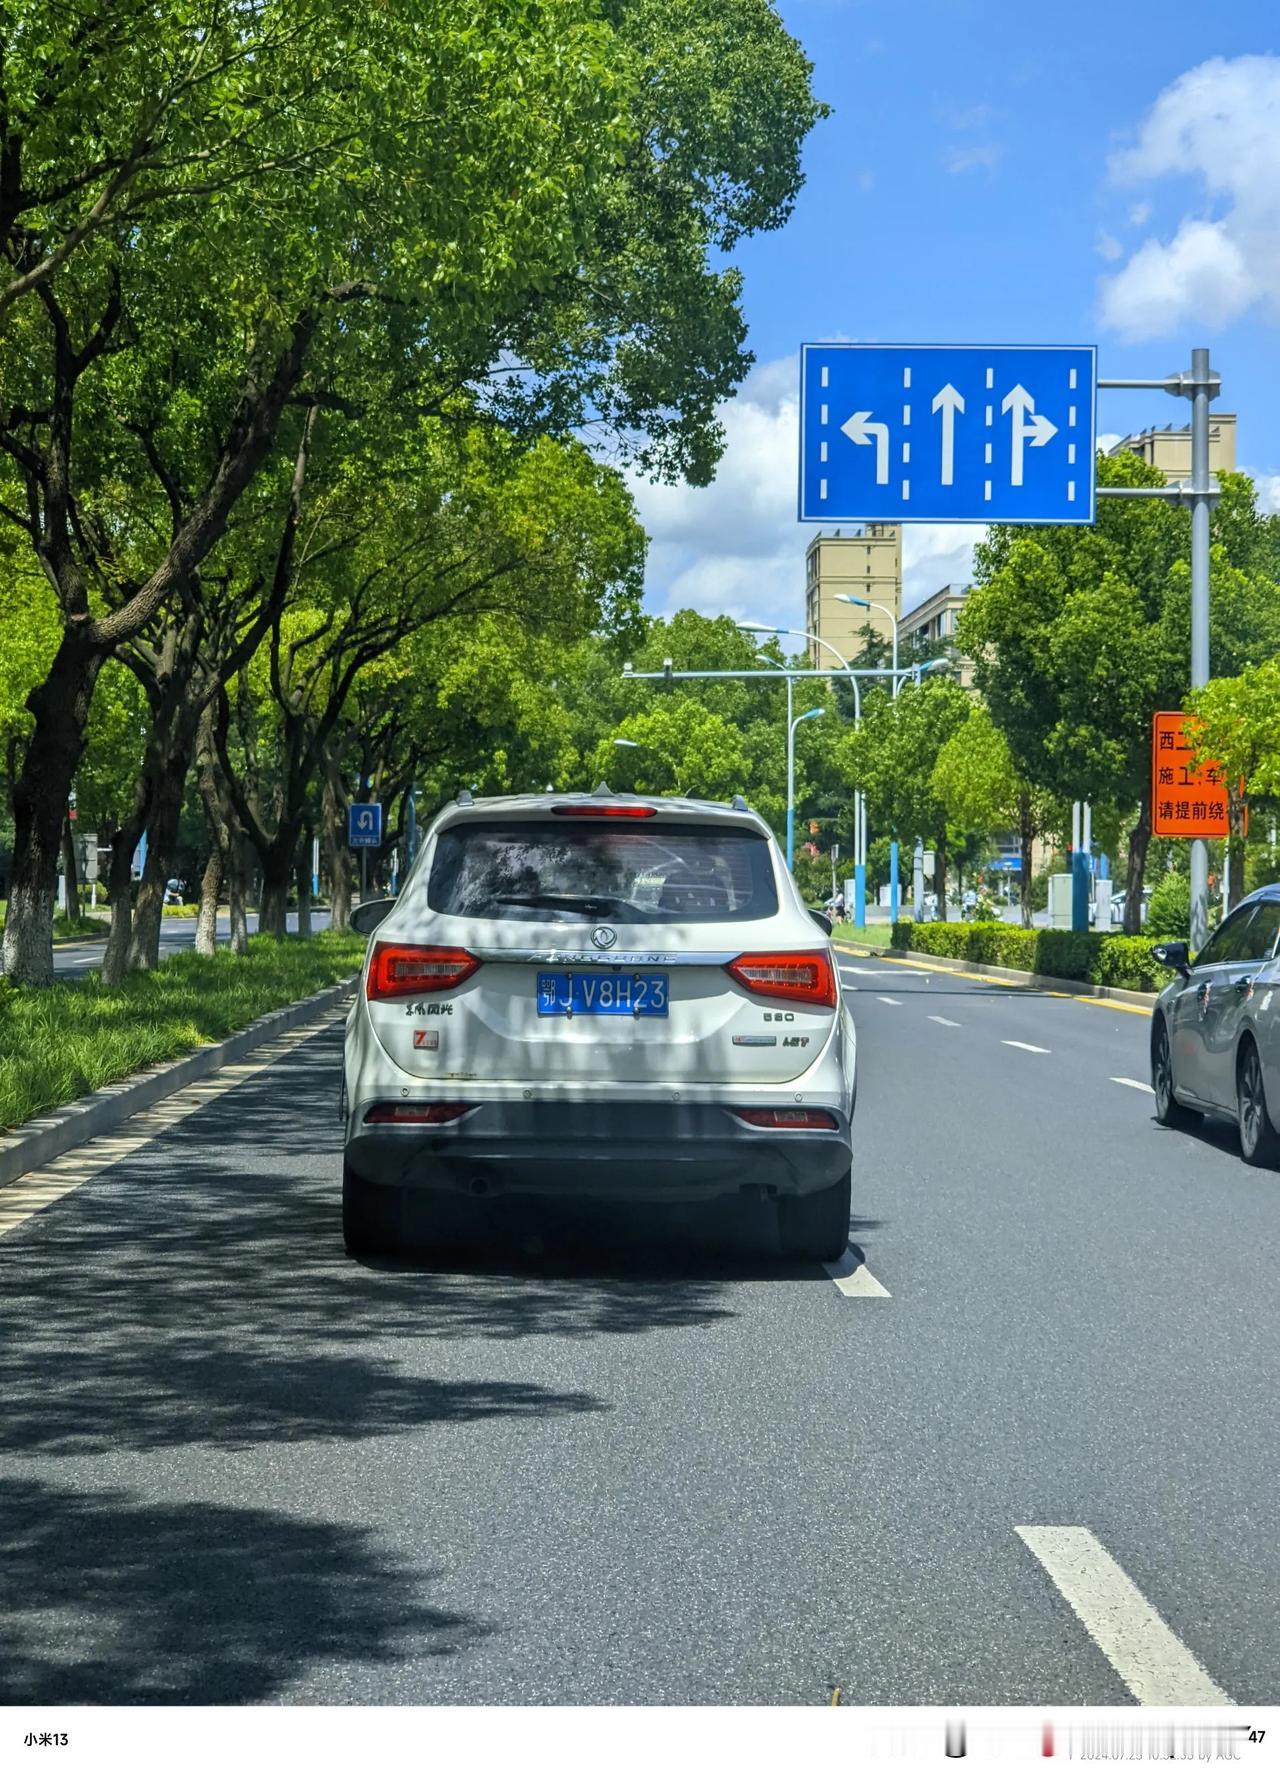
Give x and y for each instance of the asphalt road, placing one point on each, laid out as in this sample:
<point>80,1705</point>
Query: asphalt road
<point>239,1467</point>
<point>177,935</point>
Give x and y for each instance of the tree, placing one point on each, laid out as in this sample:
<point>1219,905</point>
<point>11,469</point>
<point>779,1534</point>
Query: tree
<point>892,757</point>
<point>1235,721</point>
<point>302,186</point>
<point>1079,634</point>
<point>976,780</point>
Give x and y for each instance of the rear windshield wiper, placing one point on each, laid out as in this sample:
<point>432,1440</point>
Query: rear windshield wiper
<point>590,905</point>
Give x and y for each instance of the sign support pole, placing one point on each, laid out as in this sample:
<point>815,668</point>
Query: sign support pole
<point>1200,384</point>
<point>1201,501</point>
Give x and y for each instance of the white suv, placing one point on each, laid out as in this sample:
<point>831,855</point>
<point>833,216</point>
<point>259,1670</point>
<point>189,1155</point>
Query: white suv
<point>595,994</point>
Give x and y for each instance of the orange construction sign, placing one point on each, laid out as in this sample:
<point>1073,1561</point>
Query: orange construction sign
<point>1185,800</point>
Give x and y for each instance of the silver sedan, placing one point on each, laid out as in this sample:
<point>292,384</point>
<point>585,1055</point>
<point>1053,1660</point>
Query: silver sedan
<point>1215,1046</point>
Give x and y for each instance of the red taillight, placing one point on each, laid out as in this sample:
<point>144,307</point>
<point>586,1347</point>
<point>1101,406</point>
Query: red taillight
<point>397,970</point>
<point>788,1118</point>
<point>799,978</point>
<point>604,811</point>
<point>415,1114</point>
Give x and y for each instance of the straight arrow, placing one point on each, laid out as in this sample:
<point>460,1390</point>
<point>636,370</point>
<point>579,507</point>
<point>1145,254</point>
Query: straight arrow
<point>950,401</point>
<point>864,432</point>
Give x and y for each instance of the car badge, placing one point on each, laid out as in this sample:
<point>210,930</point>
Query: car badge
<point>603,936</point>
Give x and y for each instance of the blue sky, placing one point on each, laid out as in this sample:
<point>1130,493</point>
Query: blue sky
<point>1001,172</point>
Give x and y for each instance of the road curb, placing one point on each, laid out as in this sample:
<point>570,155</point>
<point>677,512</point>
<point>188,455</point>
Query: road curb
<point>1010,975</point>
<point>34,1144</point>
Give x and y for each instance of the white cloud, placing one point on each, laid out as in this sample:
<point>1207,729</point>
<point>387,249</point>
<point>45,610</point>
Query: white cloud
<point>934,555</point>
<point>736,547</point>
<point>968,157</point>
<point>1218,124</point>
<point>1107,441</point>
<point>1107,246</point>
<point>1267,484</point>
<point>1140,214</point>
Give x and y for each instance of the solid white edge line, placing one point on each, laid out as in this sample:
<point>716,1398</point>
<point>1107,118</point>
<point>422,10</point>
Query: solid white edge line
<point>1134,1084</point>
<point>853,1278</point>
<point>1025,1046</point>
<point>1154,1664</point>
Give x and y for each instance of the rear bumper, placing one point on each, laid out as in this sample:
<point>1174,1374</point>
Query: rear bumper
<point>610,1151</point>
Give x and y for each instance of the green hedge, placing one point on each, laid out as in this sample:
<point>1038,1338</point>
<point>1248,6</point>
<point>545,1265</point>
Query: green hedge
<point>1121,960</point>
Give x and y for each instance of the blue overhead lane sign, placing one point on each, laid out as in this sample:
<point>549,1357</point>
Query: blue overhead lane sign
<point>947,433</point>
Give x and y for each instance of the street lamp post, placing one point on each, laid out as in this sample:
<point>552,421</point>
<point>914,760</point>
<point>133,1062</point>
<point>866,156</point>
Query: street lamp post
<point>857,601</point>
<point>814,712</point>
<point>859,805</point>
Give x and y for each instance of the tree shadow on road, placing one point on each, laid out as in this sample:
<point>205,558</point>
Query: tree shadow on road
<point>107,1600</point>
<point>197,1292</point>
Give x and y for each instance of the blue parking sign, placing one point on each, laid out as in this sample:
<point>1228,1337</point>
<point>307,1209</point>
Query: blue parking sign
<point>364,826</point>
<point>947,433</point>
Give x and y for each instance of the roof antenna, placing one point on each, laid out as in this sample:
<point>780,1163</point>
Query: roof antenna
<point>601,791</point>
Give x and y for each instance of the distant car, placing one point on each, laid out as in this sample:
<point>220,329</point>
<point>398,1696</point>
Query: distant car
<point>589,995</point>
<point>1215,1030</point>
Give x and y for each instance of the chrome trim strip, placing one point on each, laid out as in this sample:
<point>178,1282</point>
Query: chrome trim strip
<point>596,957</point>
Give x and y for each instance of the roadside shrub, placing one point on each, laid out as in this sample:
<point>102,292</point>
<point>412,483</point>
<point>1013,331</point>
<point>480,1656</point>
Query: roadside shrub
<point>1169,907</point>
<point>1090,958</point>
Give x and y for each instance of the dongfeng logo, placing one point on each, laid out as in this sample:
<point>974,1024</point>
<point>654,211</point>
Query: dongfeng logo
<point>603,937</point>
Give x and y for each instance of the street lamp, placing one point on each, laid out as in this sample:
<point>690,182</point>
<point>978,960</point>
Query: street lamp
<point>814,712</point>
<point>859,803</point>
<point>857,601</point>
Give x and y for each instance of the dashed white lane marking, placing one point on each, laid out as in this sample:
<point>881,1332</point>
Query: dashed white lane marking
<point>1025,1046</point>
<point>942,1021</point>
<point>1148,1656</point>
<point>1134,1084</point>
<point>852,1277</point>
<point>38,1189</point>
<point>892,1000</point>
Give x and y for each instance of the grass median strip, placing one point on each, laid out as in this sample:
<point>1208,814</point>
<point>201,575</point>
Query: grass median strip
<point>59,1042</point>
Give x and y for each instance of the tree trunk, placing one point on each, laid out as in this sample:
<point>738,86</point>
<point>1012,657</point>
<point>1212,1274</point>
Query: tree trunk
<point>1139,837</point>
<point>164,814</point>
<point>277,873</point>
<point>338,856</point>
<point>236,881</point>
<point>60,707</point>
<point>124,842</point>
<point>940,875</point>
<point>210,884</point>
<point>1026,841</point>
<point>71,874</point>
<point>304,883</point>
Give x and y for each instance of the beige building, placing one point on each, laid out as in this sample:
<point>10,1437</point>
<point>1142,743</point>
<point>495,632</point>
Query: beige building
<point>863,561</point>
<point>1169,448</point>
<point>932,626</point>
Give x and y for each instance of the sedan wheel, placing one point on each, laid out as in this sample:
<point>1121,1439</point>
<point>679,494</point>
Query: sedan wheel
<point>1259,1142</point>
<point>1169,1111</point>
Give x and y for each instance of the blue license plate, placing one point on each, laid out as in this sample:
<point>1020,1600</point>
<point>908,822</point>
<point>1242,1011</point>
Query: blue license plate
<point>602,994</point>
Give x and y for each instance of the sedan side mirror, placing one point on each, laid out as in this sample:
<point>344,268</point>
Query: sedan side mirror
<point>366,917</point>
<point>1174,954</point>
<point>821,919</point>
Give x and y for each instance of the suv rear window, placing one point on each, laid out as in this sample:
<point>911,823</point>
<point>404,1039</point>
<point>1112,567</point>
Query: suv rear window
<point>557,871</point>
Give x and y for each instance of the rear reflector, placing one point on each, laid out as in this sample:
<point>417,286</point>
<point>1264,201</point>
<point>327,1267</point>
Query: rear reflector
<point>604,811</point>
<point>807,977</point>
<point>415,1114</point>
<point>788,1118</point>
<point>397,970</point>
